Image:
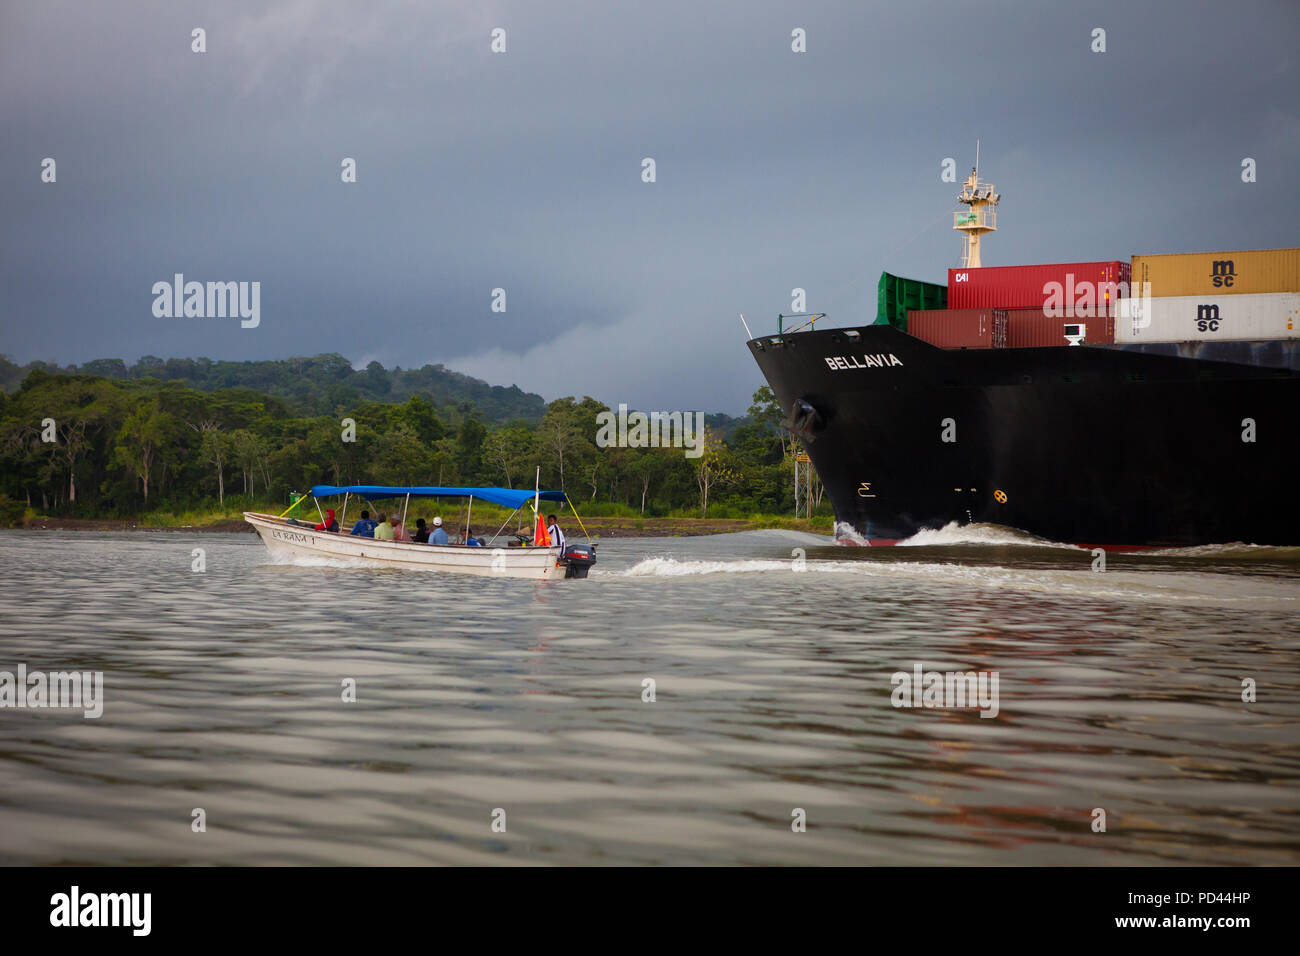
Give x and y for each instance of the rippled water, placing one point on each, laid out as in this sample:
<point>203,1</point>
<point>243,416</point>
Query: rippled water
<point>1119,690</point>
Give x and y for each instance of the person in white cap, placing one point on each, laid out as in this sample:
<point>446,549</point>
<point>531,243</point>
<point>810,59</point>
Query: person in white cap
<point>438,536</point>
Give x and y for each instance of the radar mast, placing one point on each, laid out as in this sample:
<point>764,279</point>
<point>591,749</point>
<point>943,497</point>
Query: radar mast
<point>978,218</point>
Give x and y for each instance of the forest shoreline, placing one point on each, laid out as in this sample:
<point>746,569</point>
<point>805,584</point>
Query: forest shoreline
<point>604,527</point>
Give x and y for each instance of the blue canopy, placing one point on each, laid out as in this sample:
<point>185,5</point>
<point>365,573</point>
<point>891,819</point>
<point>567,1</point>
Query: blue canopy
<point>506,497</point>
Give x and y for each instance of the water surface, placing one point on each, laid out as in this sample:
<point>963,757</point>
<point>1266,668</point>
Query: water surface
<point>1119,690</point>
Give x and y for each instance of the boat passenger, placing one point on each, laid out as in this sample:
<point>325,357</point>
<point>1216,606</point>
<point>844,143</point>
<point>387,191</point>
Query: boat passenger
<point>364,528</point>
<point>329,524</point>
<point>383,530</point>
<point>553,530</point>
<point>470,540</point>
<point>421,535</point>
<point>399,531</point>
<point>439,536</point>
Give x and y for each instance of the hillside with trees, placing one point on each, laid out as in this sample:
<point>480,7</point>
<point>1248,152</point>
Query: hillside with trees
<point>92,445</point>
<point>319,385</point>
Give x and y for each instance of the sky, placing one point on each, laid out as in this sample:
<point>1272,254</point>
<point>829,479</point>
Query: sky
<point>522,170</point>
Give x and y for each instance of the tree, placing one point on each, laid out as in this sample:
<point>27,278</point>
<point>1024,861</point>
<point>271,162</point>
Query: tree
<point>560,432</point>
<point>105,368</point>
<point>376,380</point>
<point>443,460</point>
<point>591,468</point>
<point>119,438</point>
<point>248,451</point>
<point>766,411</point>
<point>78,415</point>
<point>419,414</point>
<point>143,432</point>
<point>711,468</point>
<point>508,451</point>
<point>214,448</point>
<point>645,465</point>
<point>469,448</point>
<point>757,442</point>
<point>26,457</point>
<point>402,459</point>
<point>330,453</point>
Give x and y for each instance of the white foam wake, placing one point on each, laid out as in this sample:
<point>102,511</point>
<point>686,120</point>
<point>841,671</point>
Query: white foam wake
<point>846,532</point>
<point>671,567</point>
<point>1235,549</point>
<point>1061,583</point>
<point>986,534</point>
<point>666,567</point>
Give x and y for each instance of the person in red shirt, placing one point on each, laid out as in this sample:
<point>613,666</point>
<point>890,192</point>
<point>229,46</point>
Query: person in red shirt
<point>329,524</point>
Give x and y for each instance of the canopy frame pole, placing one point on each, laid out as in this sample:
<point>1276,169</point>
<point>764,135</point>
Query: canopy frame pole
<point>468,511</point>
<point>344,520</point>
<point>301,499</point>
<point>537,495</point>
<point>503,525</point>
<point>575,514</point>
<point>318,511</point>
<point>404,504</point>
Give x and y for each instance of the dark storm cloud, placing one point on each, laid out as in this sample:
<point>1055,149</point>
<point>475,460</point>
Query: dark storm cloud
<point>522,170</point>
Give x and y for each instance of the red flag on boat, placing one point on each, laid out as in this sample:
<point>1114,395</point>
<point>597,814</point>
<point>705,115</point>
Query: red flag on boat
<point>541,537</point>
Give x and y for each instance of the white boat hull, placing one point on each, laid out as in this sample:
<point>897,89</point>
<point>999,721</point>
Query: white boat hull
<point>289,542</point>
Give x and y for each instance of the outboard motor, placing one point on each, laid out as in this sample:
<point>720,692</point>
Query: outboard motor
<point>578,559</point>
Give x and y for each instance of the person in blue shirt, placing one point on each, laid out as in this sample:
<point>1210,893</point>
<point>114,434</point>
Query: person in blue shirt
<point>438,536</point>
<point>365,527</point>
<point>470,540</point>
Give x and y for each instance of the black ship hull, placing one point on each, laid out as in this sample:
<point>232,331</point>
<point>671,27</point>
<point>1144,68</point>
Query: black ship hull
<point>1104,446</point>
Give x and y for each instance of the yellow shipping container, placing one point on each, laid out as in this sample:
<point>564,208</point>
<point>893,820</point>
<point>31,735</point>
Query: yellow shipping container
<point>1247,272</point>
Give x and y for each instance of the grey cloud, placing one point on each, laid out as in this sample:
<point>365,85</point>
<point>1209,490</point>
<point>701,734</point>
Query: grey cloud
<point>521,171</point>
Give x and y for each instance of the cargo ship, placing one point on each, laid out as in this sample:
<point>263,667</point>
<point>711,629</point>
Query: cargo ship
<point>1121,404</point>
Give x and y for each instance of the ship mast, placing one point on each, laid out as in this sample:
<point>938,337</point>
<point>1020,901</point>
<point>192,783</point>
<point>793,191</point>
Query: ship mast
<point>979,218</point>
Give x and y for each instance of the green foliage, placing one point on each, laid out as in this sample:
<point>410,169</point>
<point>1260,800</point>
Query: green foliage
<point>140,442</point>
<point>320,385</point>
<point>11,512</point>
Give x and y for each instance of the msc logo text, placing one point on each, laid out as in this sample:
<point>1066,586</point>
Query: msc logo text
<point>1207,318</point>
<point>1223,273</point>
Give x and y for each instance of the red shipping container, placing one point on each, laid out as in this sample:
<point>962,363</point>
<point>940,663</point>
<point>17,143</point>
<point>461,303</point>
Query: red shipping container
<point>1030,287</point>
<point>1029,328</point>
<point>959,328</point>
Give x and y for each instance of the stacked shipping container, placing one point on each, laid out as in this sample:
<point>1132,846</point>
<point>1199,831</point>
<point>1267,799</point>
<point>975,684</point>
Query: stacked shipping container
<point>1248,272</point>
<point>1214,296</point>
<point>959,328</point>
<point>1030,328</point>
<point>1203,318</point>
<point>1086,284</point>
<point>1203,296</point>
<point>1076,293</point>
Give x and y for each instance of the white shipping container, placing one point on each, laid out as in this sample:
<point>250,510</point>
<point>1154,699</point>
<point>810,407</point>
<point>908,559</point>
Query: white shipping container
<point>1208,318</point>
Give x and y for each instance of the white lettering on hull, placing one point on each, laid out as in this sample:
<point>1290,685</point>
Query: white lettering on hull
<point>838,363</point>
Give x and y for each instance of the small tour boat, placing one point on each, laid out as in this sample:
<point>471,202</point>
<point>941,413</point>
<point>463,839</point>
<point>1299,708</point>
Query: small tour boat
<point>511,554</point>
